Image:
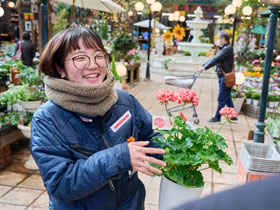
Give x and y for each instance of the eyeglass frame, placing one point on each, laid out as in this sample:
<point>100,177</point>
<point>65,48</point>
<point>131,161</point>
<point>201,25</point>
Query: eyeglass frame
<point>105,54</point>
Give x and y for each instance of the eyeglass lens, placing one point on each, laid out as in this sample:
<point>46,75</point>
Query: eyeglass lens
<point>82,62</point>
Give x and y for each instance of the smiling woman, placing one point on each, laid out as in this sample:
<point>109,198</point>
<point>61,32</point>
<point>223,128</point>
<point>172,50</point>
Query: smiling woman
<point>90,140</point>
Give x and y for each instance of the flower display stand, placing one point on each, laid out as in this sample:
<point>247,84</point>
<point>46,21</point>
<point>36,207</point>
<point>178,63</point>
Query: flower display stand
<point>238,103</point>
<point>133,72</point>
<point>172,195</point>
<point>30,163</point>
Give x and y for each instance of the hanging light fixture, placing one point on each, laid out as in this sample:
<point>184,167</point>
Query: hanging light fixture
<point>11,4</point>
<point>156,6</point>
<point>247,10</point>
<point>182,19</point>
<point>139,6</point>
<point>176,18</point>
<point>171,18</point>
<point>230,10</point>
<point>130,13</point>
<point>237,3</point>
<point>177,13</point>
<point>1,11</point>
<point>150,1</point>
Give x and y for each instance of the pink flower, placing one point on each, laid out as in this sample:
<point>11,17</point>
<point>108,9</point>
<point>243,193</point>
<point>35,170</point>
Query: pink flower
<point>165,96</point>
<point>275,74</point>
<point>228,112</point>
<point>255,61</point>
<point>187,96</point>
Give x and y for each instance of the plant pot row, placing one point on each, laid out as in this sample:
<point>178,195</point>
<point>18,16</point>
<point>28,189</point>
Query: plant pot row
<point>270,104</point>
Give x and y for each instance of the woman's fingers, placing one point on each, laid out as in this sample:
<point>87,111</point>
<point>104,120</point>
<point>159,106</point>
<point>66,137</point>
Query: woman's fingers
<point>139,159</point>
<point>155,161</point>
<point>150,168</point>
<point>148,150</point>
<point>144,171</point>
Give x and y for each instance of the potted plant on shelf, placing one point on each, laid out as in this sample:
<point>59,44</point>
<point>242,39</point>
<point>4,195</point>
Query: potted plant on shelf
<point>4,74</point>
<point>187,152</point>
<point>7,122</point>
<point>237,98</point>
<point>122,45</point>
<point>272,101</point>
<point>11,97</point>
<point>29,98</point>
<point>256,98</point>
<point>248,96</point>
<point>24,123</point>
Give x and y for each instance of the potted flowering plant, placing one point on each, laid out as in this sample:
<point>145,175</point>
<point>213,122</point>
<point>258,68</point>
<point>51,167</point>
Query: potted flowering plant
<point>188,151</point>
<point>123,44</point>
<point>132,56</point>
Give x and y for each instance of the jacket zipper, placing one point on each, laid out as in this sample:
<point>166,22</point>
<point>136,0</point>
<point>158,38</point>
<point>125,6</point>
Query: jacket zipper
<point>112,187</point>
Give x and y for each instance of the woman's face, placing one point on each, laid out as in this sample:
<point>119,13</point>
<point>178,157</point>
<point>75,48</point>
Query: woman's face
<point>81,66</point>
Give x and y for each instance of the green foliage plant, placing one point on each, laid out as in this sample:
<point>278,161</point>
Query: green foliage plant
<point>62,15</point>
<point>123,43</point>
<point>21,92</point>
<point>256,96</point>
<point>248,94</point>
<point>12,95</point>
<point>104,29</point>
<point>165,63</point>
<point>29,76</point>
<point>14,118</point>
<point>113,68</point>
<point>272,98</point>
<point>245,55</point>
<point>189,151</point>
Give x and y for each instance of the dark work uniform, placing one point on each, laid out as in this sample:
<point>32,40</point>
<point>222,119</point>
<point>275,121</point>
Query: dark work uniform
<point>258,195</point>
<point>224,59</point>
<point>27,52</point>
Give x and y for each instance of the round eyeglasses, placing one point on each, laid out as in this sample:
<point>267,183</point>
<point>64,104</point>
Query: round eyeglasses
<point>82,62</point>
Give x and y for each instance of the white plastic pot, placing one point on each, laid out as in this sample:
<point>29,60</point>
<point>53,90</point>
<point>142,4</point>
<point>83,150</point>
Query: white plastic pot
<point>30,105</point>
<point>255,102</point>
<point>25,130</point>
<point>249,101</point>
<point>30,163</point>
<point>238,103</point>
<point>172,195</point>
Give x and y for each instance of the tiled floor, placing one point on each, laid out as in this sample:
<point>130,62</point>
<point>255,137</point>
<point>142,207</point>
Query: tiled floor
<point>22,188</point>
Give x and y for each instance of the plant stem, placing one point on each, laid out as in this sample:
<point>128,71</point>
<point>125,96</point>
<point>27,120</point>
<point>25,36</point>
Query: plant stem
<point>221,126</point>
<point>204,169</point>
<point>183,107</point>
<point>165,106</point>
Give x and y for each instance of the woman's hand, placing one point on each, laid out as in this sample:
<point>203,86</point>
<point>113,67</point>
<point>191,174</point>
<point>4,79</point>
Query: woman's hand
<point>140,161</point>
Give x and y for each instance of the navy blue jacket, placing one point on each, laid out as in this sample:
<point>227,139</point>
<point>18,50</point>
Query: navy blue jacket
<point>84,161</point>
<point>224,58</point>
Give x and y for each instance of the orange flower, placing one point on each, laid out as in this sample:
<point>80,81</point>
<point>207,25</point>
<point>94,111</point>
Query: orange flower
<point>179,32</point>
<point>130,139</point>
<point>167,36</point>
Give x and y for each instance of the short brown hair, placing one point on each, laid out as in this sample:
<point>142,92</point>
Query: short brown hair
<point>62,43</point>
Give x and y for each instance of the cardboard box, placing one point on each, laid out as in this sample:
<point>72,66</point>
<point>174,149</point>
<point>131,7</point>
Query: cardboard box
<point>245,175</point>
